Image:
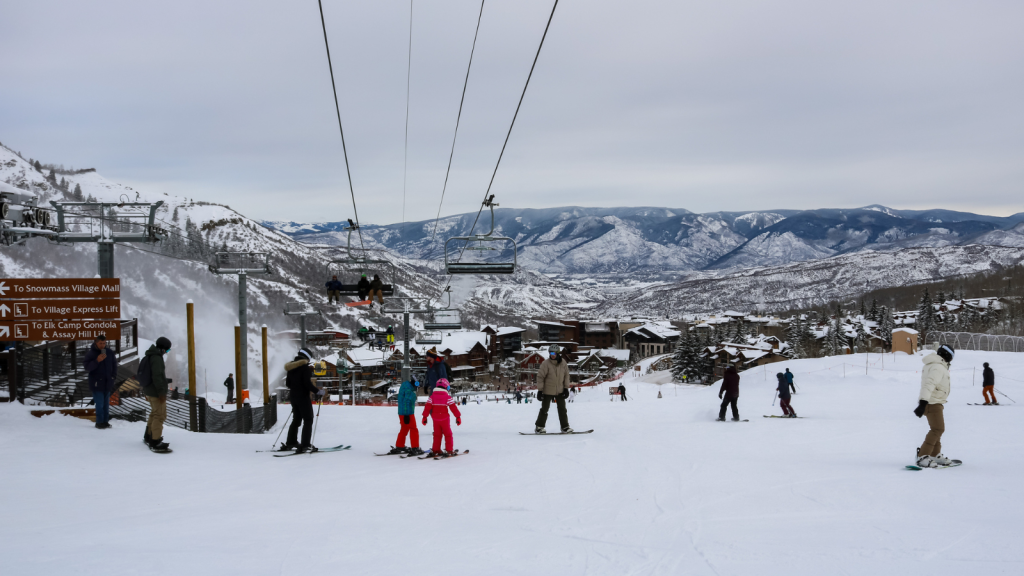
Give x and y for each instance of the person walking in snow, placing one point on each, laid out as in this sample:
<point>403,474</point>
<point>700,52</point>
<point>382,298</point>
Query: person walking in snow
<point>154,381</point>
<point>407,420</point>
<point>789,380</point>
<point>622,392</point>
<point>101,364</point>
<point>784,396</point>
<point>363,288</point>
<point>553,384</point>
<point>438,405</point>
<point>299,380</point>
<point>519,397</point>
<point>333,290</point>
<point>572,394</point>
<point>988,385</point>
<point>729,393</point>
<point>436,370</point>
<point>229,383</point>
<point>934,392</point>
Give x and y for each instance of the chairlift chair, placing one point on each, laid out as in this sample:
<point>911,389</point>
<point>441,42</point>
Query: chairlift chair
<point>444,320</point>
<point>338,266</point>
<point>482,243</point>
<point>428,337</point>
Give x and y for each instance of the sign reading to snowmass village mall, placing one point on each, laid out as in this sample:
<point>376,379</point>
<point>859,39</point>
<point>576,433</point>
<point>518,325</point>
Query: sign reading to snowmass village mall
<point>60,309</point>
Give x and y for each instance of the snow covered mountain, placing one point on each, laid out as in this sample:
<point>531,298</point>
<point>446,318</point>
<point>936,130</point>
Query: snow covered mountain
<point>647,241</point>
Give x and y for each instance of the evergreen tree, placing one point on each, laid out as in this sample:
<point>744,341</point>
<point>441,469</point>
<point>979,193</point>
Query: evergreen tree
<point>794,333</point>
<point>861,341</point>
<point>38,166</point>
<point>925,316</point>
<point>174,215</point>
<point>863,310</point>
<point>808,338</point>
<point>886,324</point>
<point>77,194</point>
<point>873,312</point>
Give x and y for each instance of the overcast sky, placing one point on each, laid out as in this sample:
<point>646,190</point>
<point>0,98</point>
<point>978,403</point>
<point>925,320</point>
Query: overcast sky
<point>742,105</point>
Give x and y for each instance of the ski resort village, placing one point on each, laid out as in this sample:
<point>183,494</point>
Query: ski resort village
<point>522,288</point>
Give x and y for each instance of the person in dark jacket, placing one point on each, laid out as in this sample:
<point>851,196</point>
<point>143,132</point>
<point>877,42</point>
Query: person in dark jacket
<point>784,396</point>
<point>155,389</point>
<point>333,290</point>
<point>229,383</point>
<point>436,370</point>
<point>377,289</point>
<point>300,384</point>
<point>789,380</point>
<point>988,386</point>
<point>101,364</point>
<point>729,393</point>
<point>622,393</point>
<point>363,287</point>
<point>407,420</point>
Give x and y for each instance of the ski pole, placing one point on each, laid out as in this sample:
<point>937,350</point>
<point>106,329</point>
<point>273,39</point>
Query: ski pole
<point>776,396</point>
<point>1011,399</point>
<point>316,420</point>
<point>282,429</point>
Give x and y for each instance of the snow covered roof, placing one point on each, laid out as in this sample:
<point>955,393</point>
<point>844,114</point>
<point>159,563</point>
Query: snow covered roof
<point>458,341</point>
<point>905,329</point>
<point>552,323</point>
<point>509,330</point>
<point>362,356</point>
<point>616,353</point>
<point>658,329</point>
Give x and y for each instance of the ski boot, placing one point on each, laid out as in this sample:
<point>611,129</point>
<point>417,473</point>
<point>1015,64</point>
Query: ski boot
<point>987,404</point>
<point>398,450</point>
<point>416,451</point>
<point>449,453</point>
<point>158,445</point>
<point>941,460</point>
<point>566,430</point>
<point>287,447</point>
<point>736,419</point>
<point>539,430</point>
<point>926,462</point>
<point>719,419</point>
<point>995,403</point>
<point>305,449</point>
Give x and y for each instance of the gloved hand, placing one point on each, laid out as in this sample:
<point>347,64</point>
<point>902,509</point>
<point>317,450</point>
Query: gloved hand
<point>565,394</point>
<point>406,418</point>
<point>921,405</point>
<point>424,421</point>
<point>719,395</point>
<point>458,421</point>
<point>320,393</point>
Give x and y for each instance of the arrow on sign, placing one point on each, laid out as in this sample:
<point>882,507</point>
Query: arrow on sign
<point>3,288</point>
<point>4,310</point>
<point>5,330</point>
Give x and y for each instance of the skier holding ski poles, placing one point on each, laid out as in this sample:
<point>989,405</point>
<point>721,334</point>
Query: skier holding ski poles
<point>988,385</point>
<point>299,380</point>
<point>784,396</point>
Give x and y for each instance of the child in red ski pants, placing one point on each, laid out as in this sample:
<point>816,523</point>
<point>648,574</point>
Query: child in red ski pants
<point>438,405</point>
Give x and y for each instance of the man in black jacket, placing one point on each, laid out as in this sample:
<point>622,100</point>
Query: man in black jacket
<point>101,365</point>
<point>363,287</point>
<point>988,386</point>
<point>300,384</point>
<point>333,290</point>
<point>230,385</point>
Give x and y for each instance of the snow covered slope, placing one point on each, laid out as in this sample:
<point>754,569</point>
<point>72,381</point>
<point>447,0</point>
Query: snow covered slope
<point>658,489</point>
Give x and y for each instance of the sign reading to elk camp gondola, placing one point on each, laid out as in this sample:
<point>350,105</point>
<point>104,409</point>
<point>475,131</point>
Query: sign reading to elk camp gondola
<point>60,330</point>
<point>60,288</point>
<point>84,309</point>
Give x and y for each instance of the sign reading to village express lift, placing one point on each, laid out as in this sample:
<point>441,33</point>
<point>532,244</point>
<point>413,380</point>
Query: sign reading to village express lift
<point>60,309</point>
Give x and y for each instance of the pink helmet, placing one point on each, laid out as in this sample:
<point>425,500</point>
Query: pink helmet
<point>442,383</point>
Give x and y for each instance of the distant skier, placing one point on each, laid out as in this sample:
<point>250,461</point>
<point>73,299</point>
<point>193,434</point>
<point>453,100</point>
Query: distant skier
<point>729,393</point>
<point>363,288</point>
<point>407,420</point>
<point>438,405</point>
<point>333,290</point>
<point>436,370</point>
<point>154,381</point>
<point>784,396</point>
<point>934,392</point>
<point>622,392</point>
<point>988,385</point>
<point>229,383</point>
<point>553,384</point>
<point>101,364</point>
<point>299,380</point>
<point>519,397</point>
<point>789,380</point>
<point>572,395</point>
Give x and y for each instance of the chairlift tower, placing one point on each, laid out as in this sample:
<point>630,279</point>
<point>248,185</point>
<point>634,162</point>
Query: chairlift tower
<point>242,264</point>
<point>301,309</point>
<point>107,223</point>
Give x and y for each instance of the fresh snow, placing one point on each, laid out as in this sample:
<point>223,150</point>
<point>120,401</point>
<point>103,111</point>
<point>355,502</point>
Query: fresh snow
<point>658,488</point>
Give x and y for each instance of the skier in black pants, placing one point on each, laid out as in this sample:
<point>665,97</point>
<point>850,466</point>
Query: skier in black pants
<point>300,384</point>
<point>622,392</point>
<point>783,388</point>
<point>731,392</point>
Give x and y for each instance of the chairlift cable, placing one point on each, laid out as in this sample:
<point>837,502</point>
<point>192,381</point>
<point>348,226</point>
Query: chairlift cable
<point>458,118</point>
<point>408,85</point>
<point>341,130</point>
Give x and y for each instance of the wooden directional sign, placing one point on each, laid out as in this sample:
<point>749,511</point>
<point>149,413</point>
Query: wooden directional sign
<point>19,288</point>
<point>60,330</point>
<point>59,309</point>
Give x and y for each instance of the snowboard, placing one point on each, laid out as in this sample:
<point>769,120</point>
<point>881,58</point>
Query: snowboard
<point>555,433</point>
<point>360,303</point>
<point>786,417</point>
<point>953,465</point>
<point>338,448</point>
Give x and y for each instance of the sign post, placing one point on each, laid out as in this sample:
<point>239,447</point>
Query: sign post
<point>60,308</point>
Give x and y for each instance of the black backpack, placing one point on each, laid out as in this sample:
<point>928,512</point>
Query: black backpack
<point>144,374</point>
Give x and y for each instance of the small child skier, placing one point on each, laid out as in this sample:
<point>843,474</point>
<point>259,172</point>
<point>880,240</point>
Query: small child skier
<point>407,420</point>
<point>438,404</point>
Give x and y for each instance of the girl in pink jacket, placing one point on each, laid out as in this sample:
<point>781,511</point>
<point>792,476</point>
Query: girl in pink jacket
<point>438,404</point>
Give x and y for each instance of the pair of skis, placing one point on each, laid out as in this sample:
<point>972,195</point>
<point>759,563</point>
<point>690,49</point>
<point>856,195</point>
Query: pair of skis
<point>337,448</point>
<point>430,455</point>
<point>556,433</point>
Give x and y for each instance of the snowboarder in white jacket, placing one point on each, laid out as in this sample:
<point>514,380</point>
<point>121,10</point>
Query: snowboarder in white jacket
<point>934,392</point>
